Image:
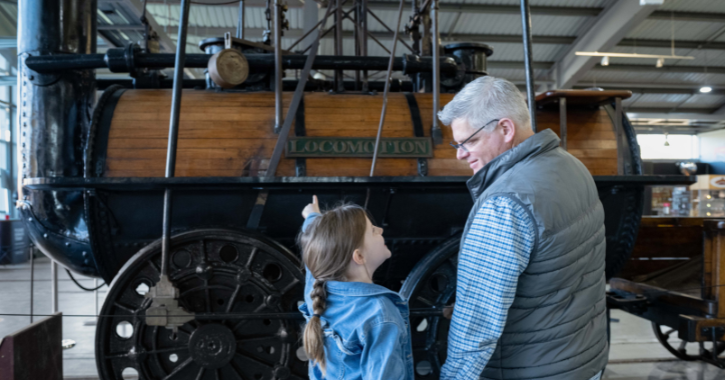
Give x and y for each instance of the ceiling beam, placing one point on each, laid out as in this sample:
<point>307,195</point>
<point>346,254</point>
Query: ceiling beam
<point>640,88</point>
<point>682,113</point>
<point>496,9</point>
<point>664,69</point>
<point>606,31</point>
<point>668,44</point>
<point>687,16</point>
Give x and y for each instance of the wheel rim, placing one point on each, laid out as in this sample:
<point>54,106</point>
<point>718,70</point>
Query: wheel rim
<point>431,283</point>
<point>681,351</point>
<point>216,271</point>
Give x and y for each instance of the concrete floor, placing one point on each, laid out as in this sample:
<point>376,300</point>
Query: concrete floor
<point>635,354</point>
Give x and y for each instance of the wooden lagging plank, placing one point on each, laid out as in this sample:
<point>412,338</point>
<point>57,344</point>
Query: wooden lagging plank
<point>238,128</point>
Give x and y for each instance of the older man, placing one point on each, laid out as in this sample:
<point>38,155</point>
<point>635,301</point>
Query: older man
<point>530,299</point>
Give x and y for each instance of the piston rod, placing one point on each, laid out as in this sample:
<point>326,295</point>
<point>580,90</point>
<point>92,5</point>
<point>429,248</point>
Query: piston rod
<point>528,62</point>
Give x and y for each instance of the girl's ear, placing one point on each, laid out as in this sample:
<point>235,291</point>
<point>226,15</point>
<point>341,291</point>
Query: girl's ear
<point>357,257</point>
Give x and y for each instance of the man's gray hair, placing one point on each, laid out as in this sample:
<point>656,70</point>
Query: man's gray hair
<point>485,99</point>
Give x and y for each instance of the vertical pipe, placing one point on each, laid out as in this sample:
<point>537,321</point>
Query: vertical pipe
<point>562,121</point>
<point>240,23</point>
<point>32,280</point>
<point>619,134</point>
<point>363,20</point>
<point>11,150</point>
<point>339,86</point>
<point>277,66</point>
<point>356,38</point>
<point>95,295</point>
<point>435,129</point>
<point>174,130</point>
<point>526,25</point>
<point>53,287</point>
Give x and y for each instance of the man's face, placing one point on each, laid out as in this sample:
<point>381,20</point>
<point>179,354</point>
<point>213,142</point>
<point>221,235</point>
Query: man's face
<point>483,147</point>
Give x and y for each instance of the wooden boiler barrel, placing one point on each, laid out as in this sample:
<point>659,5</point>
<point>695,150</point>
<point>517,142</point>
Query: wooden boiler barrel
<point>230,134</point>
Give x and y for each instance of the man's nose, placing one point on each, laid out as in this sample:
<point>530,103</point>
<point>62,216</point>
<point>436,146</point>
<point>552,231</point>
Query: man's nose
<point>461,154</point>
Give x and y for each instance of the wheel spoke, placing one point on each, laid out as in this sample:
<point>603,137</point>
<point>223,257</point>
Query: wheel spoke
<point>260,361</point>
<point>165,350</point>
<point>251,258</point>
<point>255,338</point>
<point>178,369</point>
<point>200,374</point>
<point>682,347</point>
<point>667,334</point>
<point>233,298</point>
<point>289,286</point>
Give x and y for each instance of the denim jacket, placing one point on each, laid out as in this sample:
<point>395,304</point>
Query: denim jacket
<point>366,328</point>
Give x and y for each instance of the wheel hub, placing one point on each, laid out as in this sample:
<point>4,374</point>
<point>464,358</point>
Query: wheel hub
<point>212,346</point>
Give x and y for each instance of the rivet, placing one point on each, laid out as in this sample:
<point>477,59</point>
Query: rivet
<point>32,77</point>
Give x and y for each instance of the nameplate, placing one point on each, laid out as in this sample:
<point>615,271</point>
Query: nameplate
<point>395,147</point>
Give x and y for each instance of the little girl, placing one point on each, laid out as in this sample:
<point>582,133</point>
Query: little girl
<point>355,329</point>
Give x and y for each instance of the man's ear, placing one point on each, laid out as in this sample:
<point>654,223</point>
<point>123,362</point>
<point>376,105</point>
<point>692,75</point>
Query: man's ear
<point>357,257</point>
<point>508,129</point>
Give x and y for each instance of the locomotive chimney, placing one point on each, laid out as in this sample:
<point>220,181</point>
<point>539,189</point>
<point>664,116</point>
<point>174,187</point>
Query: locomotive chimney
<point>54,120</point>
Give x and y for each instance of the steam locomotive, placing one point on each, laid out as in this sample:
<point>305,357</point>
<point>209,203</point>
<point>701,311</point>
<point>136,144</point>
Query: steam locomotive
<point>92,189</point>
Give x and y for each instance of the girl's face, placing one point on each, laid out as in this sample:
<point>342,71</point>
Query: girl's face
<point>374,249</point>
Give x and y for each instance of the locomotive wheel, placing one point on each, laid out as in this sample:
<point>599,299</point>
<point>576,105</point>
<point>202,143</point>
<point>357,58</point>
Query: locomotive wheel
<point>681,352</point>
<point>216,271</point>
<point>432,283</point>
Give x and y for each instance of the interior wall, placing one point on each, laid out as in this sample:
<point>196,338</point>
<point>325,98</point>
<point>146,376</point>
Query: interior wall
<point>712,150</point>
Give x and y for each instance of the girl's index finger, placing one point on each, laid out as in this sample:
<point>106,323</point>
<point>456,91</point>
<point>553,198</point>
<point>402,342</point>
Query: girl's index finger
<point>314,199</point>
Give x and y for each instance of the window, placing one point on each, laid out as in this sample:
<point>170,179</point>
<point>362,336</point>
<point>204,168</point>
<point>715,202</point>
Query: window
<point>680,147</point>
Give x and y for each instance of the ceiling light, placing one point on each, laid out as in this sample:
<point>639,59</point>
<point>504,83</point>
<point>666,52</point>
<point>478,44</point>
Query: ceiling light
<point>605,61</point>
<point>667,143</point>
<point>705,89</point>
<point>632,55</point>
<point>660,62</point>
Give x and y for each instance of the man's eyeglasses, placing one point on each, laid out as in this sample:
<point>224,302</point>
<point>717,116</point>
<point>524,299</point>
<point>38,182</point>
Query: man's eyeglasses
<point>463,144</point>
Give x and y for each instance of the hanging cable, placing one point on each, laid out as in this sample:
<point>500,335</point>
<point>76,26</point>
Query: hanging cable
<point>81,286</point>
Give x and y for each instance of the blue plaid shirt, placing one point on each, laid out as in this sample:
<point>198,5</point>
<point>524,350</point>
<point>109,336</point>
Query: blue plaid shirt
<point>495,252</point>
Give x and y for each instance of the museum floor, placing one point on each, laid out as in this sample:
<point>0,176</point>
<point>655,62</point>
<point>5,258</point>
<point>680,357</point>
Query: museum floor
<point>634,355</point>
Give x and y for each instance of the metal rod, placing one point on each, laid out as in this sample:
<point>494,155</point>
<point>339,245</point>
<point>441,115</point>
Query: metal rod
<point>53,286</point>
<point>314,28</point>
<point>95,294</point>
<point>436,132</point>
<point>32,280</point>
<point>240,22</point>
<point>338,45</point>
<point>356,37</point>
<point>174,131</point>
<point>277,66</point>
<point>385,93</point>
<point>176,92</point>
<point>390,30</point>
<point>363,19</point>
<point>296,98</point>
<point>619,134</point>
<point>562,121</point>
<point>56,63</point>
<point>526,25</point>
<point>166,233</point>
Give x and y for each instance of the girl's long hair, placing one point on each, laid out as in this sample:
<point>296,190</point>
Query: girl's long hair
<point>327,247</point>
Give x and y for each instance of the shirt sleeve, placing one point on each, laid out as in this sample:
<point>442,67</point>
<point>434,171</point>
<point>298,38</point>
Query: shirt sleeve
<point>309,220</point>
<point>382,357</point>
<point>495,252</point>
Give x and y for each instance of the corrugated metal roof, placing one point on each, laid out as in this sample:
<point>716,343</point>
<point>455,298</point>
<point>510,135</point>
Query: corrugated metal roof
<point>705,101</point>
<point>515,52</point>
<point>8,24</point>
<point>510,24</point>
<point>660,100</point>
